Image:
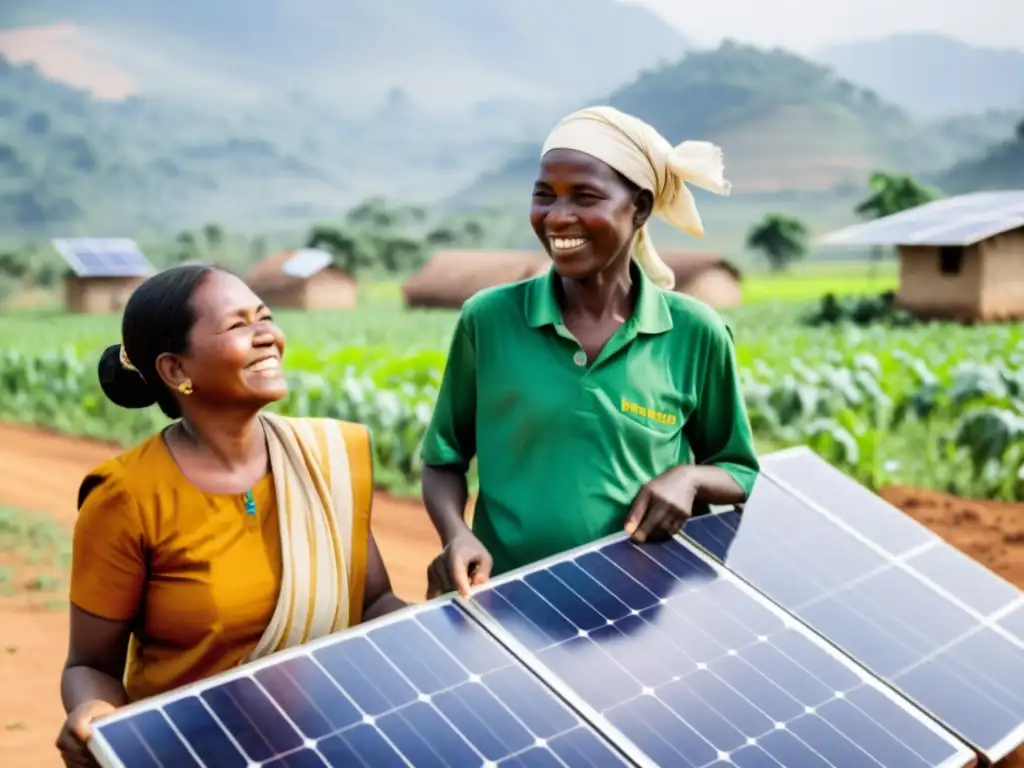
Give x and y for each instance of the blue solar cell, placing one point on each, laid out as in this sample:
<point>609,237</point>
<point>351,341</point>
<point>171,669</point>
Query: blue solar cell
<point>714,532</point>
<point>693,667</point>
<point>103,257</point>
<point>429,688</point>
<point>921,616</point>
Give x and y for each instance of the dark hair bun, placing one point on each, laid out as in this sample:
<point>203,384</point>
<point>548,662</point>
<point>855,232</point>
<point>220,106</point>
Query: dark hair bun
<point>122,386</point>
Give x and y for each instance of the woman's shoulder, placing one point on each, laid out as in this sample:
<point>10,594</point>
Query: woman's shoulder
<point>497,301</point>
<point>144,462</point>
<point>692,316</point>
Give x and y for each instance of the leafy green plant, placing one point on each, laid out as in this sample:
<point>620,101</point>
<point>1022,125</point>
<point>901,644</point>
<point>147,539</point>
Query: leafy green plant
<point>933,405</point>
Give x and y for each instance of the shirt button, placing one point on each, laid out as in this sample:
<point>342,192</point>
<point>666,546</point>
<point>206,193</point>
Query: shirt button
<point>580,358</point>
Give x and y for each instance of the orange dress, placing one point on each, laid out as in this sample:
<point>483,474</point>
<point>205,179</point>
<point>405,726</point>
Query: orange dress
<point>196,576</point>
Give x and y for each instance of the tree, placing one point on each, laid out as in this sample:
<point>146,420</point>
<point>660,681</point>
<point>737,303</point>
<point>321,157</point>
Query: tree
<point>891,193</point>
<point>1020,130</point>
<point>13,265</point>
<point>442,237</point>
<point>373,213</point>
<point>782,239</point>
<point>47,274</point>
<point>468,233</point>
<point>186,248</point>
<point>214,235</point>
<point>337,243</point>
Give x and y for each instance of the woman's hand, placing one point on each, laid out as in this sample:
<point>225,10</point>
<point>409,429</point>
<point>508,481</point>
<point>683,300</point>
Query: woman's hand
<point>77,730</point>
<point>464,563</point>
<point>663,505</point>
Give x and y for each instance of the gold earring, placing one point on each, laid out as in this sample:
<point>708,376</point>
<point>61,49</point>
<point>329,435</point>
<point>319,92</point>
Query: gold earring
<point>185,387</point>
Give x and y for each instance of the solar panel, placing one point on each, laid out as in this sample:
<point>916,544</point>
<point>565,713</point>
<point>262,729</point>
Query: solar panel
<point>694,668</point>
<point>921,615</point>
<point>103,257</point>
<point>306,262</point>
<point>962,220</point>
<point>425,687</point>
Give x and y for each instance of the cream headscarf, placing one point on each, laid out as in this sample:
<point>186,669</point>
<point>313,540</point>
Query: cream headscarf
<point>644,156</point>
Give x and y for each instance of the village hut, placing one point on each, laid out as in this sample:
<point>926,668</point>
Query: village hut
<point>449,278</point>
<point>103,273</point>
<point>303,279</point>
<point>961,258</point>
<point>706,276</point>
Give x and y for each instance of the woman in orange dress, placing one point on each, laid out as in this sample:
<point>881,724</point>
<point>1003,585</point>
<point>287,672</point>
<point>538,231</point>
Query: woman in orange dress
<point>228,535</point>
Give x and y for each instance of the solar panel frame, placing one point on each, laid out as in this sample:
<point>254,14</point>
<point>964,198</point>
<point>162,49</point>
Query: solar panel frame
<point>956,221</point>
<point>75,250</point>
<point>106,755</point>
<point>306,262</point>
<point>901,560</point>
<point>963,756</point>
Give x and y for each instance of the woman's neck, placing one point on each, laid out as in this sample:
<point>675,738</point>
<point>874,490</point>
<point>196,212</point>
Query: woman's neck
<point>606,294</point>
<point>232,439</point>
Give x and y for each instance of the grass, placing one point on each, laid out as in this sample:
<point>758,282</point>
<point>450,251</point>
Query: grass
<point>382,321</point>
<point>35,556</point>
<point>809,283</point>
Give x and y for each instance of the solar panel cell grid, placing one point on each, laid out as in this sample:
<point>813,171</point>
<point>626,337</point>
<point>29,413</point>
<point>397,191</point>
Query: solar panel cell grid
<point>428,690</point>
<point>103,257</point>
<point>696,670</point>
<point>914,611</point>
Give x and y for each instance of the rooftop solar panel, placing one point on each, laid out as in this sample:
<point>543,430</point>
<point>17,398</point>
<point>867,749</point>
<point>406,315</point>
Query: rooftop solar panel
<point>306,262</point>
<point>694,668</point>
<point>921,615</point>
<point>103,257</point>
<point>426,687</point>
<point>962,220</point>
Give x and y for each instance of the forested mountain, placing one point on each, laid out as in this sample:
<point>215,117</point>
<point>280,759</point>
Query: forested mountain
<point>785,123</point>
<point>442,52</point>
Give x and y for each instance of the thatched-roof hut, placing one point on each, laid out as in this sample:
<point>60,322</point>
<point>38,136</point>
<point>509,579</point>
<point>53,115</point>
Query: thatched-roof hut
<point>706,276</point>
<point>449,278</point>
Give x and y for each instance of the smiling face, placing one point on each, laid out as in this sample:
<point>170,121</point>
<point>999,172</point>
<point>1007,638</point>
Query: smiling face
<point>235,348</point>
<point>585,214</point>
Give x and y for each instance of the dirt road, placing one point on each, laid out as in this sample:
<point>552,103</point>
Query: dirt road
<point>40,471</point>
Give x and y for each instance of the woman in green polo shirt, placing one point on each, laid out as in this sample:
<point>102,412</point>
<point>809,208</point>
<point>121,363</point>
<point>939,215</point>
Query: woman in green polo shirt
<point>594,397</point>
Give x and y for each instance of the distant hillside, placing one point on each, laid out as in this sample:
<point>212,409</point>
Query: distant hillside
<point>71,164</point>
<point>933,75</point>
<point>443,52</point>
<point>1001,167</point>
<point>124,116</point>
<point>785,123</point>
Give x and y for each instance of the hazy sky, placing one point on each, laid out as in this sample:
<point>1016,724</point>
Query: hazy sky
<point>804,25</point>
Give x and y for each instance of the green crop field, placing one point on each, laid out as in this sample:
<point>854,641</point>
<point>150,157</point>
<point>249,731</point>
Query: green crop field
<point>932,405</point>
<point>842,279</point>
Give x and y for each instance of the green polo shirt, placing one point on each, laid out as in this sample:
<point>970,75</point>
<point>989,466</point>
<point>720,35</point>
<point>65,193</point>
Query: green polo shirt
<point>564,447</point>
